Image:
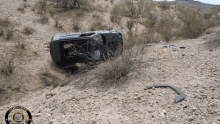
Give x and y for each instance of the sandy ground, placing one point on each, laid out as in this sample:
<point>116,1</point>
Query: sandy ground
<point>195,70</point>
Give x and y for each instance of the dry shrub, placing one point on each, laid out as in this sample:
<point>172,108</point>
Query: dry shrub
<point>9,32</point>
<point>28,30</point>
<point>58,25</point>
<point>49,79</point>
<point>213,42</point>
<point>164,5</point>
<point>73,4</point>
<point>207,15</point>
<point>97,26</point>
<point>43,19</point>
<point>5,22</point>
<point>115,14</point>
<point>7,65</point>
<point>165,26</point>
<point>215,11</point>
<point>117,69</point>
<point>151,21</point>
<point>41,7</point>
<point>193,23</point>
<point>1,32</point>
<point>131,9</point>
<point>20,44</point>
<point>76,26</point>
<point>21,9</point>
<point>130,24</point>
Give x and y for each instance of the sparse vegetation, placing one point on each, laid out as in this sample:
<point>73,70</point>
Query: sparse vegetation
<point>28,30</point>
<point>130,24</point>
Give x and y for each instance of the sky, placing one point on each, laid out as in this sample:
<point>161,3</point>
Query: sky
<point>216,2</point>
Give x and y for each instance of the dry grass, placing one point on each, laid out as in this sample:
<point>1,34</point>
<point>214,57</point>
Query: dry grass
<point>28,30</point>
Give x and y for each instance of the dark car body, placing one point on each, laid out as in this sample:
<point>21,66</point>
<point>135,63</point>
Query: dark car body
<point>70,48</point>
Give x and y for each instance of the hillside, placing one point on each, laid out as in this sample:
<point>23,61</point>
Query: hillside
<point>80,95</point>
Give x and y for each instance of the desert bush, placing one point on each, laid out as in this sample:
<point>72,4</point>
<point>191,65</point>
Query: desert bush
<point>58,25</point>
<point>49,79</point>
<point>97,26</point>
<point>212,22</point>
<point>193,23</point>
<point>5,22</point>
<point>165,26</point>
<point>43,19</point>
<point>76,26</point>
<point>207,15</point>
<point>41,7</point>
<point>164,5</point>
<point>115,14</point>
<point>9,32</point>
<point>130,24</point>
<point>28,30</point>
<point>215,11</point>
<point>21,9</point>
<point>79,13</point>
<point>130,9</point>
<point>151,21</point>
<point>1,32</point>
<point>7,64</point>
<point>73,4</point>
<point>20,44</point>
<point>117,69</point>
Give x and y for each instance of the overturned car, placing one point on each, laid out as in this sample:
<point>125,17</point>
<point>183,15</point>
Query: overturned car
<point>69,48</point>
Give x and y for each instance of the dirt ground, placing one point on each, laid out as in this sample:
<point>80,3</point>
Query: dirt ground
<point>195,70</point>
